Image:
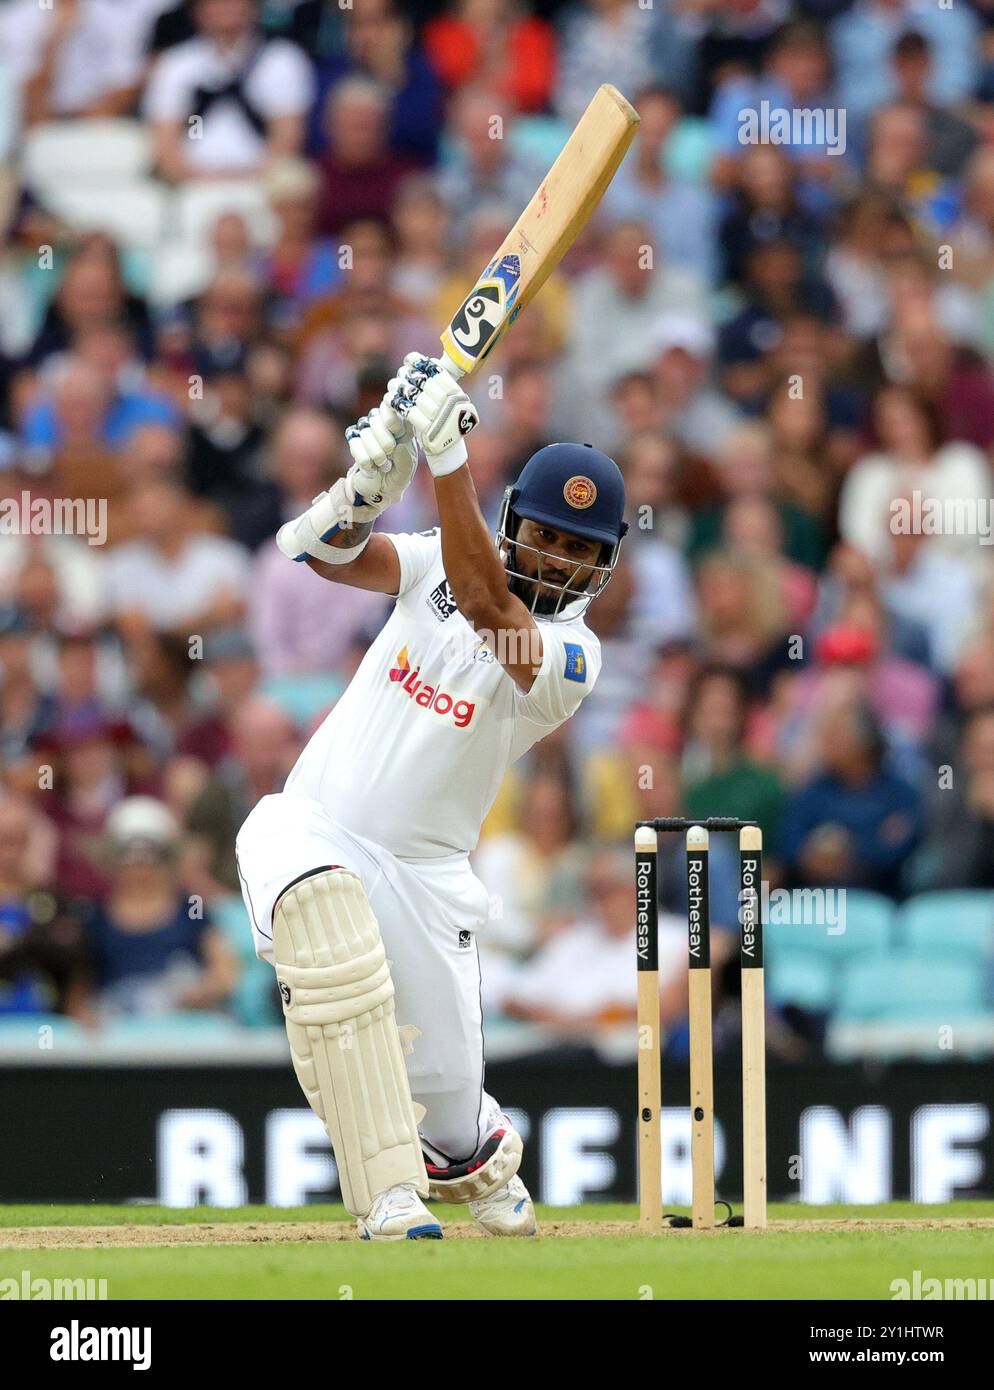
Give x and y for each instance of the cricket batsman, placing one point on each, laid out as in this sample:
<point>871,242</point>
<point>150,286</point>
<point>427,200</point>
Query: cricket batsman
<point>357,874</point>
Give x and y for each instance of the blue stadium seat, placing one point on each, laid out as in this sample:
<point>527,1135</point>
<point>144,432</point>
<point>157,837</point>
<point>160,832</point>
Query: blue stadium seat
<point>253,1002</point>
<point>867,920</point>
<point>304,697</point>
<point>802,978</point>
<point>24,1028</point>
<point>195,1026</point>
<point>900,988</point>
<point>949,925</point>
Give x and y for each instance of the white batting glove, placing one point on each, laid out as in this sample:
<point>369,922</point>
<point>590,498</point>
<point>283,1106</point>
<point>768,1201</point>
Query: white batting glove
<point>431,400</point>
<point>385,453</point>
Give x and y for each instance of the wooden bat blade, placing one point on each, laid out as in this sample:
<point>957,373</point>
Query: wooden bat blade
<point>558,212</point>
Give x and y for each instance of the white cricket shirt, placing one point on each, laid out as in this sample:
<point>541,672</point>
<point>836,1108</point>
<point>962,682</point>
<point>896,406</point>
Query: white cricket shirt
<point>413,754</point>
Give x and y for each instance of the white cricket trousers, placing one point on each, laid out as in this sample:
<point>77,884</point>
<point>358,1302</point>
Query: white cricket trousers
<point>428,911</point>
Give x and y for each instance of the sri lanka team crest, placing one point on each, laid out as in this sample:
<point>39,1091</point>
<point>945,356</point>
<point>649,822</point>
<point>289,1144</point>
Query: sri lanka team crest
<point>484,314</point>
<point>580,492</point>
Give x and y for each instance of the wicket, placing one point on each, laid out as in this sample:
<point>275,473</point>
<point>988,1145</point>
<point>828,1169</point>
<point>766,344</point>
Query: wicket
<point>701,1050</point>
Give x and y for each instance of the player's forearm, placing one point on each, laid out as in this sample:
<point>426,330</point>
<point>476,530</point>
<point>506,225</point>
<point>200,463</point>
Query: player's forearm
<point>472,566</point>
<point>347,539</point>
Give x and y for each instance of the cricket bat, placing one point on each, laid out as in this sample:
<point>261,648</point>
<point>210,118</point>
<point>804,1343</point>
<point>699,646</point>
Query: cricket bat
<point>555,217</point>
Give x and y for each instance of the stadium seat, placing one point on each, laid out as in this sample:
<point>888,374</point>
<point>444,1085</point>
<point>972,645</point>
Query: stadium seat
<point>166,1028</point>
<point>254,1001</point>
<point>866,918</point>
<point>539,139</point>
<point>132,213</point>
<point>304,697</point>
<point>179,272</point>
<point>900,988</point>
<point>99,153</point>
<point>803,979</point>
<point>690,150</point>
<point>196,207</point>
<point>25,1029</point>
<point>948,925</point>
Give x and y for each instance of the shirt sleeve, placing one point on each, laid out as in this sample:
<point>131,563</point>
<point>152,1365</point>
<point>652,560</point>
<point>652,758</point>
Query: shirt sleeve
<point>167,92</point>
<point>417,554</point>
<point>571,663</point>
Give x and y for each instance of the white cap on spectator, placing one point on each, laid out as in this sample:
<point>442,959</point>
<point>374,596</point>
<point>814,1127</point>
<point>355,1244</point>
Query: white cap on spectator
<point>680,330</point>
<point>290,180</point>
<point>142,820</point>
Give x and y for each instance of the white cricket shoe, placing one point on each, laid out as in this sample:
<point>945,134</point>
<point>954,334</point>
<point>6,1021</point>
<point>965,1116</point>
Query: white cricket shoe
<point>506,1212</point>
<point>398,1214</point>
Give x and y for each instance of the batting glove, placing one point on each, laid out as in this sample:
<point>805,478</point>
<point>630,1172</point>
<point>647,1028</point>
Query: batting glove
<point>427,397</point>
<point>385,455</point>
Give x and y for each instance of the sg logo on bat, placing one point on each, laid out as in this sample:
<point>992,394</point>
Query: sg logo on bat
<point>483,314</point>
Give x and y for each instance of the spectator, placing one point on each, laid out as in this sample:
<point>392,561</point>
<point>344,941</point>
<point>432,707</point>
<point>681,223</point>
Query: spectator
<point>682,216</point>
<point>167,579</point>
<point>950,141</point>
<point>795,76</point>
<point>154,951</point>
<point>263,744</point>
<point>634,294</point>
<point>721,778</point>
<point>483,166</point>
<point>42,958</point>
<point>691,410</point>
<point>533,877</point>
<point>360,175</point>
<point>766,208</point>
<point>300,267</point>
<point>83,58</point>
<point>24,710</point>
<point>228,101</point>
<point>854,824</point>
<point>743,615</point>
<point>104,376</point>
<point>379,45</point>
<point>959,849</point>
<point>421,232</point>
<point>912,459</point>
<point>863,40</point>
<point>603,41</point>
<point>91,295</point>
<point>937,591</point>
<point>497,43</point>
<point>745,467</point>
<point>581,979</point>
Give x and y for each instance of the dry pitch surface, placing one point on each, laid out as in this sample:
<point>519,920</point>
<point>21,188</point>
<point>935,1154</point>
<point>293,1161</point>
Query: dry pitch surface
<point>590,1252</point>
<point>280,1232</point>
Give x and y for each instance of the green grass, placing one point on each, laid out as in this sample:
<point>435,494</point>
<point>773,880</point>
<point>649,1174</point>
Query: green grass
<point>841,1263</point>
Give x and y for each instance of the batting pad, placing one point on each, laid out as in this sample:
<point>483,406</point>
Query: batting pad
<point>338,999</point>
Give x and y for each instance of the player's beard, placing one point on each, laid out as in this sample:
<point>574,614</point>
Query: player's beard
<point>548,600</point>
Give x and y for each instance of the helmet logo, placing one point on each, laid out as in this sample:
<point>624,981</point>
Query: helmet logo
<point>580,492</point>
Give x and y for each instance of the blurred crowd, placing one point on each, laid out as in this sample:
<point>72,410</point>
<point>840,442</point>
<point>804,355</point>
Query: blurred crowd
<point>778,342</point>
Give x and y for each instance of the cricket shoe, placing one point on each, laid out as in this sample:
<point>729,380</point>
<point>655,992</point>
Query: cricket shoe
<point>506,1212</point>
<point>398,1214</point>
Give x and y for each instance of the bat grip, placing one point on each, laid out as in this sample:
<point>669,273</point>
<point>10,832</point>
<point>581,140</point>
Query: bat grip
<point>450,366</point>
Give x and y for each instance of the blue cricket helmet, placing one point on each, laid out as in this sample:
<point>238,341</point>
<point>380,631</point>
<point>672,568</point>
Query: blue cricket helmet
<point>575,488</point>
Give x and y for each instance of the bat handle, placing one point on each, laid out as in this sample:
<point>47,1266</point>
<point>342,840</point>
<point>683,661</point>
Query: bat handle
<point>450,366</point>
